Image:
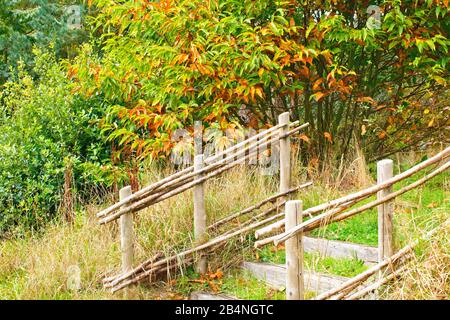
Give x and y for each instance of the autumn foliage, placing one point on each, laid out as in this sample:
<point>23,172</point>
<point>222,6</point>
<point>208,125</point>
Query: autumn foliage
<point>375,75</point>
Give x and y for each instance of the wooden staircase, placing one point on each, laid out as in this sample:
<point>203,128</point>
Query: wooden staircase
<point>274,275</point>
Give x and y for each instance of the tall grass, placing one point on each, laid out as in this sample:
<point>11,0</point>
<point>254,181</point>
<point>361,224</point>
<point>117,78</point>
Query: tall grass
<point>38,266</point>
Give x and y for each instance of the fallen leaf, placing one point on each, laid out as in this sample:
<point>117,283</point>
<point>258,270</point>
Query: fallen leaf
<point>432,205</point>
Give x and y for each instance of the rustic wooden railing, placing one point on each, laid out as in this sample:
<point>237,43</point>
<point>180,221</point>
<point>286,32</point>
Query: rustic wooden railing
<point>334,211</point>
<point>269,221</point>
<point>195,177</point>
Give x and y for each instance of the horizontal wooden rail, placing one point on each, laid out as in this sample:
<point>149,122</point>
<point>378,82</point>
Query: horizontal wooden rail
<point>242,147</point>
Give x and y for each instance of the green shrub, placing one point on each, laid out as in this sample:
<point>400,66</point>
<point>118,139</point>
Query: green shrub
<point>43,126</point>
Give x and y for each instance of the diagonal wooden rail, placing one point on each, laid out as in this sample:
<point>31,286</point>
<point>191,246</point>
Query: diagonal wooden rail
<point>183,181</point>
<point>354,198</point>
<point>195,177</point>
<point>270,220</point>
<point>334,212</point>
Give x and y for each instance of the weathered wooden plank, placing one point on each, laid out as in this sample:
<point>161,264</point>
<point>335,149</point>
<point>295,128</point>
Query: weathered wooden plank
<point>198,295</point>
<point>294,253</point>
<point>126,234</point>
<point>199,213</point>
<point>385,171</point>
<point>275,276</point>
<point>341,249</point>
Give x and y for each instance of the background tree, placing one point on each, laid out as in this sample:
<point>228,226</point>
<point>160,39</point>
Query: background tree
<point>26,24</point>
<point>164,64</point>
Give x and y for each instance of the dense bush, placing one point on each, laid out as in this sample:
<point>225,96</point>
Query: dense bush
<point>43,128</point>
<point>378,74</point>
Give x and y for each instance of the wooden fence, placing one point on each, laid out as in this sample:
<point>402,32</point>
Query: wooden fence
<point>195,177</point>
<point>334,211</point>
<point>270,220</point>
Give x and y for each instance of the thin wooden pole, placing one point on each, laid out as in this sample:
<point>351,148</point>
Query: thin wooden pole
<point>144,270</point>
<point>385,211</point>
<point>285,154</point>
<point>199,213</point>
<point>126,234</point>
<point>294,253</point>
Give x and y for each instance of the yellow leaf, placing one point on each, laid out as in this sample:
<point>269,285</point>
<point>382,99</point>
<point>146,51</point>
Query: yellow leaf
<point>363,130</point>
<point>431,123</point>
<point>261,72</point>
<point>426,111</point>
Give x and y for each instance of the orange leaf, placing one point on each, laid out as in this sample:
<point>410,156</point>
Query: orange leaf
<point>318,95</point>
<point>328,136</point>
<point>304,138</point>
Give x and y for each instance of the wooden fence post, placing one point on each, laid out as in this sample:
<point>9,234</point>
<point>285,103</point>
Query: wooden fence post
<point>294,252</point>
<point>198,138</point>
<point>126,233</point>
<point>385,211</point>
<point>285,155</point>
<point>199,213</point>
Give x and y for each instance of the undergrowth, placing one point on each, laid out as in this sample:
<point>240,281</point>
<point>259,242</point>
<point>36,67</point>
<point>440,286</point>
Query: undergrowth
<point>38,265</point>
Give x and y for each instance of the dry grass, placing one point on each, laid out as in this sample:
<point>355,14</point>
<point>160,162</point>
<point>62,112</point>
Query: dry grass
<point>428,275</point>
<point>38,266</point>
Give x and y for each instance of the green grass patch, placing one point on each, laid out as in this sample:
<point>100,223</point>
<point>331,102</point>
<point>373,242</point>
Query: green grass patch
<point>236,283</point>
<point>316,262</point>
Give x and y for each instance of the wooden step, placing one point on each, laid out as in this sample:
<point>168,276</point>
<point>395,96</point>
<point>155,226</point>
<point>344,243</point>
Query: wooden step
<point>275,276</point>
<point>341,249</point>
<point>199,295</point>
